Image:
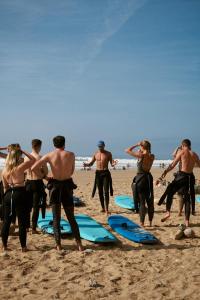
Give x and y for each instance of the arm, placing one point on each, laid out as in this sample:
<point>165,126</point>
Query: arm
<point>3,155</point>
<point>5,183</point>
<point>134,153</point>
<point>90,163</point>
<point>197,160</point>
<point>112,161</point>
<point>172,165</point>
<point>39,163</point>
<point>27,163</point>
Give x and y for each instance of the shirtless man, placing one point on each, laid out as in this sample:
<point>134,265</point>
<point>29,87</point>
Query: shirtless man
<point>62,165</point>
<point>103,179</point>
<point>183,180</point>
<point>35,186</point>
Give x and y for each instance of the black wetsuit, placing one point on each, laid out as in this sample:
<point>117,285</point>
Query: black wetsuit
<point>103,181</point>
<point>15,204</point>
<point>61,191</point>
<point>182,183</point>
<point>142,187</point>
<point>181,192</point>
<point>37,199</point>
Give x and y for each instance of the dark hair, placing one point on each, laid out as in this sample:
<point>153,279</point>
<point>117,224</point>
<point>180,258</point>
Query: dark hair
<point>36,143</point>
<point>59,141</point>
<point>186,143</point>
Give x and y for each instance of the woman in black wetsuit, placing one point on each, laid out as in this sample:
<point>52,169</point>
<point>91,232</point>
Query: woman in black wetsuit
<point>15,200</point>
<point>143,182</point>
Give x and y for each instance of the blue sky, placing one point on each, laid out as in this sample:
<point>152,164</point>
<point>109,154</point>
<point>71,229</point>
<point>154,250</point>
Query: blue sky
<point>118,70</point>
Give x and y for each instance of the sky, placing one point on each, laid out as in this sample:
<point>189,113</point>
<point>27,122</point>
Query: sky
<point>114,70</point>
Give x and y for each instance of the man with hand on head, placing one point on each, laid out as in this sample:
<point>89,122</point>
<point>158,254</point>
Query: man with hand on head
<point>62,165</point>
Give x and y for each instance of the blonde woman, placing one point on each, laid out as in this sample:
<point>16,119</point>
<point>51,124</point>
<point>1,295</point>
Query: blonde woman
<point>15,202</point>
<point>143,181</point>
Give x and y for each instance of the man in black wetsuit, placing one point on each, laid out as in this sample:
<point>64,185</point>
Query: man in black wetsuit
<point>62,165</point>
<point>183,180</point>
<point>35,186</point>
<point>103,179</point>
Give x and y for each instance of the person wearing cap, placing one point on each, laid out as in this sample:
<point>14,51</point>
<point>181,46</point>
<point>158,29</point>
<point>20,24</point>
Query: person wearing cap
<point>103,179</point>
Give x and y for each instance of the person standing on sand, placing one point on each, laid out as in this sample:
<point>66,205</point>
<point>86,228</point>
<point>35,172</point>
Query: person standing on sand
<point>143,182</point>
<point>103,179</point>
<point>15,201</point>
<point>62,165</point>
<point>35,186</point>
<point>184,178</point>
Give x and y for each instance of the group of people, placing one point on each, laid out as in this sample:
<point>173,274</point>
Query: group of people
<point>24,189</point>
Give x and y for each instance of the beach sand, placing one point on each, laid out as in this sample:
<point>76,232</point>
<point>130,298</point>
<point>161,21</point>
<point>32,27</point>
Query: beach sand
<point>170,270</point>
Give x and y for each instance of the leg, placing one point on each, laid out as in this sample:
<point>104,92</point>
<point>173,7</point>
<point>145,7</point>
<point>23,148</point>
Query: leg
<point>150,205</point>
<point>181,204</point>
<point>56,210</point>
<point>187,208</point>
<point>69,211</point>
<point>192,193</point>
<point>135,197</point>
<point>142,209</point>
<point>106,186</point>
<point>6,224</point>
<point>36,208</point>
<point>100,189</point>
<point>22,213</point>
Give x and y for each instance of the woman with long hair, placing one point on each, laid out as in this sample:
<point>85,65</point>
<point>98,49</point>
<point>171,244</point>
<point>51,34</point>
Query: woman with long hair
<point>143,182</point>
<point>15,201</point>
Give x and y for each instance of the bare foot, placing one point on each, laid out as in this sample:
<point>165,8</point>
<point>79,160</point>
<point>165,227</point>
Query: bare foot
<point>58,247</point>
<point>108,213</point>
<point>80,247</point>
<point>102,210</point>
<point>166,217</point>
<point>180,214</point>
<point>187,223</point>
<point>142,224</point>
<point>24,249</point>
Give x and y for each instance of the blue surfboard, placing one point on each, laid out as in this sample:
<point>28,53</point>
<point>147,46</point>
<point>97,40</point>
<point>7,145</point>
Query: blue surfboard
<point>198,199</point>
<point>125,201</point>
<point>46,224</point>
<point>131,230</point>
<point>93,231</point>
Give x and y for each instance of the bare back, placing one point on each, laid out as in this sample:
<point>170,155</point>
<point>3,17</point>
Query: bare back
<point>31,175</point>
<point>147,161</point>
<point>102,159</point>
<point>188,160</point>
<point>62,163</point>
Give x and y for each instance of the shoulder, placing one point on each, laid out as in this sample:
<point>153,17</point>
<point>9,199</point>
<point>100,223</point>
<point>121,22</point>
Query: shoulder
<point>108,153</point>
<point>69,153</point>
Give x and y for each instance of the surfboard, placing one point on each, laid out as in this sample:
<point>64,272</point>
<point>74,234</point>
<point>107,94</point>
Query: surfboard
<point>198,199</point>
<point>131,230</point>
<point>92,231</point>
<point>124,201</point>
<point>46,225</point>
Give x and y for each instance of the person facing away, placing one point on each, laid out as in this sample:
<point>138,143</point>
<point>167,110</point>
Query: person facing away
<point>35,186</point>
<point>187,159</point>
<point>15,201</point>
<point>142,185</point>
<point>103,179</point>
<point>62,165</point>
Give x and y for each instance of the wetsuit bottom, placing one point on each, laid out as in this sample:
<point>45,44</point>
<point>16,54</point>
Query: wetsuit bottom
<point>181,184</point>
<point>37,196</point>
<point>144,195</point>
<point>103,179</point>
<point>15,204</point>
<point>62,193</point>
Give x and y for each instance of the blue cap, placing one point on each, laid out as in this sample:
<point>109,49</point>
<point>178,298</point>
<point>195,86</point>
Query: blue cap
<point>100,144</point>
